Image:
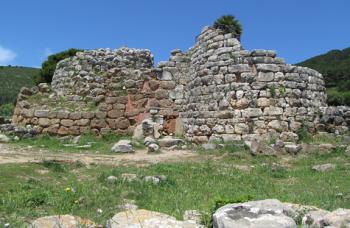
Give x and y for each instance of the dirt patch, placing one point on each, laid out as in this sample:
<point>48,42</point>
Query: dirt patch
<point>16,154</point>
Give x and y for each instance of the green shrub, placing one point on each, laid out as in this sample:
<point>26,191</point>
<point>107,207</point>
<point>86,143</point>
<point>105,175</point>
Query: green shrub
<point>303,134</point>
<point>338,97</point>
<point>273,90</point>
<point>229,24</point>
<point>6,110</point>
<point>49,66</point>
<point>282,90</point>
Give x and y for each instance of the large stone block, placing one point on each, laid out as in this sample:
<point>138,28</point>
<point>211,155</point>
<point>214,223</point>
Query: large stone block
<point>41,113</point>
<point>241,128</point>
<point>115,114</point>
<point>273,111</point>
<point>74,115</point>
<point>266,77</point>
<point>67,122</point>
<point>82,122</point>
<point>62,115</point>
<point>98,123</point>
<point>252,112</point>
<point>44,122</point>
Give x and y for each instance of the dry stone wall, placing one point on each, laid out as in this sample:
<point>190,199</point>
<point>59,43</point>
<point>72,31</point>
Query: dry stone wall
<point>233,93</point>
<point>102,91</point>
<point>214,91</point>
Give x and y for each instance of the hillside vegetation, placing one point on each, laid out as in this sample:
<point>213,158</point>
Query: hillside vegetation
<point>335,67</point>
<point>12,79</point>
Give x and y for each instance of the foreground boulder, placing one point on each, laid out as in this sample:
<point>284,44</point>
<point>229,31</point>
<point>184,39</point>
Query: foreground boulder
<point>123,146</point>
<point>4,138</point>
<point>147,219</point>
<point>62,221</point>
<point>318,219</point>
<point>254,214</point>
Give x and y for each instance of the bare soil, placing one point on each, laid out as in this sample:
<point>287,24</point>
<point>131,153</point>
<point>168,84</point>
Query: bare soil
<point>10,153</point>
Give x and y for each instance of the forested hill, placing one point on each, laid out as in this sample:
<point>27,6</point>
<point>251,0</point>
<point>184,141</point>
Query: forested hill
<point>335,67</point>
<point>12,79</point>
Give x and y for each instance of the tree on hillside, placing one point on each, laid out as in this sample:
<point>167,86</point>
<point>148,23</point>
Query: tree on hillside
<point>48,67</point>
<point>229,24</point>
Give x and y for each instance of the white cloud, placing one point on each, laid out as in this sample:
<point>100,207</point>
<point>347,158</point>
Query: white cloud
<point>6,56</point>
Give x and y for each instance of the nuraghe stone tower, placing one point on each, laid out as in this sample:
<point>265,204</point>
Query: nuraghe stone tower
<point>214,91</point>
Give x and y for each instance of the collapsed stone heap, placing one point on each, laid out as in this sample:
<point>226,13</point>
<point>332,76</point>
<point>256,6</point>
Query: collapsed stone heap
<point>215,91</point>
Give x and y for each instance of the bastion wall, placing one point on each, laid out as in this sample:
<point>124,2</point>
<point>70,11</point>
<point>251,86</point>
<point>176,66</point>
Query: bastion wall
<point>214,91</point>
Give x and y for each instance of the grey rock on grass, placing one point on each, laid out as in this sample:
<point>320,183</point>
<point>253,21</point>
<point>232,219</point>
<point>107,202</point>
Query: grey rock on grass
<point>268,213</point>
<point>324,167</point>
<point>123,146</point>
<point>169,141</point>
<point>147,219</point>
<point>4,138</point>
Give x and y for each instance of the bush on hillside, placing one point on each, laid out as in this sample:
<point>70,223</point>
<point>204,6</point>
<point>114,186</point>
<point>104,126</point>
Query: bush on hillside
<point>229,24</point>
<point>49,66</point>
<point>6,110</point>
<point>12,80</point>
<point>338,97</point>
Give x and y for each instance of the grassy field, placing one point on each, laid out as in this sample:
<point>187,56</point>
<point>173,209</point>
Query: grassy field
<point>28,191</point>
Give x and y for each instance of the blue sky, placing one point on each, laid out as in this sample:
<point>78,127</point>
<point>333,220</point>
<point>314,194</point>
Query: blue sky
<point>297,29</point>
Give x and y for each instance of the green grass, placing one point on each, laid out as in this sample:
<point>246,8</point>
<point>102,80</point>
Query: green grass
<point>305,137</point>
<point>100,145</point>
<point>26,192</point>
<point>12,79</point>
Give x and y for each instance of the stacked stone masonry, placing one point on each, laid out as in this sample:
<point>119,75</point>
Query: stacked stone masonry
<point>214,91</point>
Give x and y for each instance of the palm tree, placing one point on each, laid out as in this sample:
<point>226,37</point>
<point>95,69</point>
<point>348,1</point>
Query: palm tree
<point>229,24</point>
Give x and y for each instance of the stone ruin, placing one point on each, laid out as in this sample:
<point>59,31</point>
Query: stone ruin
<point>214,91</point>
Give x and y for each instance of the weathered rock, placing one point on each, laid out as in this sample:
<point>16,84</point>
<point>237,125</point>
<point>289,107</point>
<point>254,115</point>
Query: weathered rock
<point>324,167</point>
<point>112,179</point>
<point>347,151</point>
<point>149,140</point>
<point>193,215</point>
<point>41,113</point>
<point>44,87</point>
<point>152,147</point>
<point>293,148</point>
<point>129,177</point>
<point>4,138</point>
<point>259,147</point>
<point>123,146</point>
<point>154,179</point>
<point>146,219</point>
<point>320,218</point>
<point>314,218</point>
<point>138,133</point>
<point>62,221</point>
<point>209,146</point>
<point>254,214</point>
<point>338,218</point>
<point>128,205</point>
<point>169,141</point>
